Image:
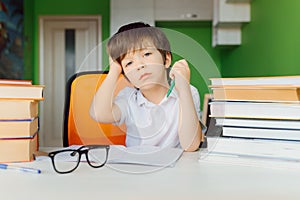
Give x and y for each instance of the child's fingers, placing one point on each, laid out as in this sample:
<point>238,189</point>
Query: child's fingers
<point>181,63</point>
<point>171,74</point>
<point>114,65</point>
<point>180,68</point>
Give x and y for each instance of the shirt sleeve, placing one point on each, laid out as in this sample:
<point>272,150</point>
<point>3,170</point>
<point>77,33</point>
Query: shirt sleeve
<point>121,100</point>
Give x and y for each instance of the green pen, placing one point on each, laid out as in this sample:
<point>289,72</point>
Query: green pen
<point>171,87</point>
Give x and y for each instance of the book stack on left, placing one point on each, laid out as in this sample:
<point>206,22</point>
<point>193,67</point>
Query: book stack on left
<point>19,122</point>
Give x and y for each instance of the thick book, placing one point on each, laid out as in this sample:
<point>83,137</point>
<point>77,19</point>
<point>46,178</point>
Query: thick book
<point>268,80</point>
<point>255,148</point>
<point>262,133</point>
<point>18,128</point>
<point>263,93</point>
<point>256,110</point>
<point>18,109</point>
<point>259,123</point>
<point>21,91</point>
<point>18,150</point>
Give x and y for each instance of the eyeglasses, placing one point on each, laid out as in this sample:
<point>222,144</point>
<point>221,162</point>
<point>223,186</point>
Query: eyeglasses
<point>96,156</point>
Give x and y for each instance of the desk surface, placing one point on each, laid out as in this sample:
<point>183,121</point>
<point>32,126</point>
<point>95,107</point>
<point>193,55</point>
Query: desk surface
<point>189,179</point>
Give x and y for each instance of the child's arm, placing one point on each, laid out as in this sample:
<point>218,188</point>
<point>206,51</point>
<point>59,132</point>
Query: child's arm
<point>102,108</point>
<point>189,126</point>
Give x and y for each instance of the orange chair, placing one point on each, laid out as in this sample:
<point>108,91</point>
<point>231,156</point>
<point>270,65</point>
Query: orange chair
<point>79,127</point>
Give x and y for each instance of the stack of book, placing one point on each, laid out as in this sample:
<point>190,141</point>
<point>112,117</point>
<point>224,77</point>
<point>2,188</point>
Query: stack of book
<point>257,107</point>
<point>19,125</point>
<point>260,121</point>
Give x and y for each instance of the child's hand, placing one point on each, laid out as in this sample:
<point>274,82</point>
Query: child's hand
<point>181,72</point>
<point>114,67</point>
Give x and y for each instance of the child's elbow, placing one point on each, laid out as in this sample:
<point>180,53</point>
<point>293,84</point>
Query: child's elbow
<point>93,114</point>
<point>194,146</point>
<point>103,115</point>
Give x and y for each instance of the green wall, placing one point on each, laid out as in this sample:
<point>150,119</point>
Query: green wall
<point>35,8</point>
<point>201,33</point>
<point>270,42</point>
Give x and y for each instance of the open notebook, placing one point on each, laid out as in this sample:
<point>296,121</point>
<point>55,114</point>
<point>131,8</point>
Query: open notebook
<point>144,155</point>
<point>138,155</point>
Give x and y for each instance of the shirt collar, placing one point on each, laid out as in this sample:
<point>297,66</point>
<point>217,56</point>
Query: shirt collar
<point>173,94</point>
<point>140,99</point>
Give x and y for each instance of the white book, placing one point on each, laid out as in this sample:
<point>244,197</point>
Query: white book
<point>21,91</point>
<point>259,123</point>
<point>263,133</point>
<point>270,80</point>
<point>269,149</point>
<point>252,152</point>
<point>257,110</point>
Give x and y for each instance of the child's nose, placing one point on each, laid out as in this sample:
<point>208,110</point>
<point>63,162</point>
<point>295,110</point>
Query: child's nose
<point>140,67</point>
<point>140,63</point>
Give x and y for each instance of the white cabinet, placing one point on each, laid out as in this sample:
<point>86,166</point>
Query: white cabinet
<point>126,11</point>
<point>149,11</point>
<point>228,17</point>
<point>238,1</point>
<point>176,10</point>
<point>226,35</point>
<point>230,12</point>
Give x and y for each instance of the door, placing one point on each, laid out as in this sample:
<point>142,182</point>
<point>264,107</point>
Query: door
<point>67,45</point>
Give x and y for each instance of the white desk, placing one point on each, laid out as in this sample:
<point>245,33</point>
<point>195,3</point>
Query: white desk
<point>189,179</point>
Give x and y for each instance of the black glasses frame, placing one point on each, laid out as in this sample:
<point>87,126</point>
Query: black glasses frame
<point>82,150</point>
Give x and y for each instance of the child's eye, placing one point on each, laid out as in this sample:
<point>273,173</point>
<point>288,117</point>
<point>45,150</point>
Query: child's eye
<point>147,54</point>
<point>128,64</point>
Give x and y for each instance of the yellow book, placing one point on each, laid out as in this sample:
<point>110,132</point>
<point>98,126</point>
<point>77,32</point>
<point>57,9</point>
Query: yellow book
<point>21,91</point>
<point>18,109</point>
<point>19,149</point>
<point>265,80</point>
<point>267,93</point>
<point>18,128</point>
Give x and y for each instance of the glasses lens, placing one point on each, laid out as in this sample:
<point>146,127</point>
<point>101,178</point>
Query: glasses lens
<point>97,156</point>
<point>66,161</point>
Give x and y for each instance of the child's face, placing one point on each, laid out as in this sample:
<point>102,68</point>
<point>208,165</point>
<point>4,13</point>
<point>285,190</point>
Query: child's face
<point>145,67</point>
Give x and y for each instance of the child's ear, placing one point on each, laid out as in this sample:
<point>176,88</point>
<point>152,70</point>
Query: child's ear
<point>168,60</point>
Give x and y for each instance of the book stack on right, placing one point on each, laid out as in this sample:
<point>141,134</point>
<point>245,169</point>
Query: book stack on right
<point>257,109</point>
<point>19,124</point>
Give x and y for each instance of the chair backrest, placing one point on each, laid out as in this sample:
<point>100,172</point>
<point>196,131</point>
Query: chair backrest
<point>79,127</point>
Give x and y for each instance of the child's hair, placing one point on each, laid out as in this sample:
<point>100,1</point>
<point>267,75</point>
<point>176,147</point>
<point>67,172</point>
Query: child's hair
<point>136,36</point>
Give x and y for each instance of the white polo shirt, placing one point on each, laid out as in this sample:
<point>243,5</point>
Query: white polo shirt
<point>148,123</point>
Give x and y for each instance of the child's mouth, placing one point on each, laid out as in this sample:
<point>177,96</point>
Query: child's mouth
<point>145,75</point>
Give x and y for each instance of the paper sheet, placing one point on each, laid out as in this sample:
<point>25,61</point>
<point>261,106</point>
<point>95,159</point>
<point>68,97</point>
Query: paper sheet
<point>144,155</point>
<point>139,155</point>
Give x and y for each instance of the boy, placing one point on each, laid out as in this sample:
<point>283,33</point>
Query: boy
<point>143,54</point>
